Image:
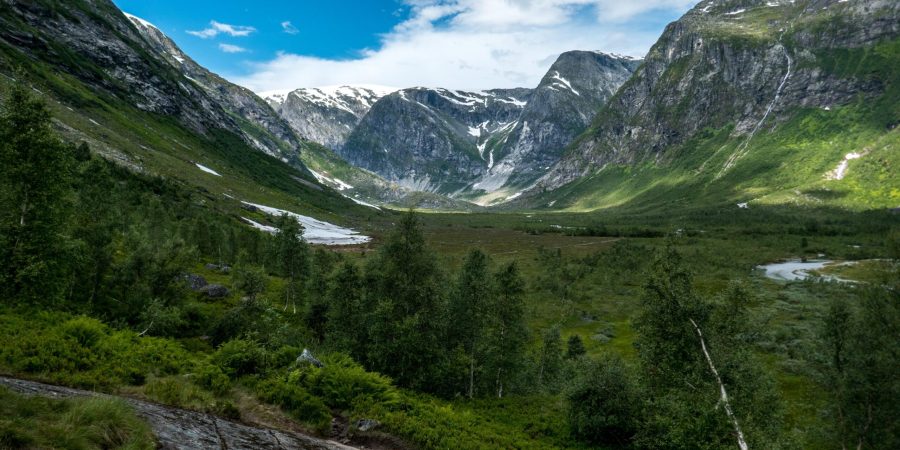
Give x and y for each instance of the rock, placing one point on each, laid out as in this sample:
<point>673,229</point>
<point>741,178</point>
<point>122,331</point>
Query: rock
<point>214,291</point>
<point>224,268</point>
<point>308,357</point>
<point>367,424</point>
<point>177,428</point>
<point>194,282</point>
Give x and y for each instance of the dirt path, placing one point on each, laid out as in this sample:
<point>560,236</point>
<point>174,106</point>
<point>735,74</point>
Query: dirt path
<point>177,428</point>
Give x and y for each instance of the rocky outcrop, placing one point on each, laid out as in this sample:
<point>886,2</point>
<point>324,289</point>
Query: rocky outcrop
<point>325,115</point>
<point>746,63</point>
<point>178,429</point>
<point>561,107</point>
<point>129,59</point>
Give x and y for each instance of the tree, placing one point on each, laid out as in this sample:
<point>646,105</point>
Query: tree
<point>702,382</point>
<point>250,281</point>
<point>575,347</point>
<point>468,309</point>
<point>604,405</point>
<point>506,334</point>
<point>550,358</point>
<point>863,360</point>
<point>346,319</point>
<point>35,191</point>
<point>408,304</point>
<point>292,258</point>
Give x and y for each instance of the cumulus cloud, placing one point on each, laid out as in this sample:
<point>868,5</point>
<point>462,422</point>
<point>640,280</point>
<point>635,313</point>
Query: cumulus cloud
<point>216,28</point>
<point>289,28</point>
<point>476,44</point>
<point>228,48</point>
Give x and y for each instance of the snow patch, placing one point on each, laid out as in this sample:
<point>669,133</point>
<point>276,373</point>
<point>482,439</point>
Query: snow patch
<point>736,12</point>
<point>331,181</point>
<point>562,82</point>
<point>137,20</point>
<point>360,202</point>
<point>316,231</point>
<point>841,169</point>
<point>207,169</point>
<point>743,205</point>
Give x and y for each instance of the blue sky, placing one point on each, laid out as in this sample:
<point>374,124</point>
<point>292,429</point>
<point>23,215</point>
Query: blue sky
<point>465,44</point>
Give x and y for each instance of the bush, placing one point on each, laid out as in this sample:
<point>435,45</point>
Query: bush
<point>296,401</point>
<point>603,404</point>
<point>240,357</point>
<point>342,383</point>
<point>82,351</point>
<point>212,378</point>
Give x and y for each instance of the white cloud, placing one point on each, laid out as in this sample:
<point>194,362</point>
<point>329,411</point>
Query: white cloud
<point>216,28</point>
<point>228,48</point>
<point>289,28</point>
<point>476,44</point>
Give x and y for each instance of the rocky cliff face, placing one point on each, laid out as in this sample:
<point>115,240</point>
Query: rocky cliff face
<point>477,144</point>
<point>325,115</point>
<point>130,60</point>
<point>563,105</point>
<point>741,63</point>
<point>257,122</point>
<point>432,139</point>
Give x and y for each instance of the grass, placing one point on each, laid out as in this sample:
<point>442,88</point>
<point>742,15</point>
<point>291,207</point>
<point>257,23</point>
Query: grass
<point>80,423</point>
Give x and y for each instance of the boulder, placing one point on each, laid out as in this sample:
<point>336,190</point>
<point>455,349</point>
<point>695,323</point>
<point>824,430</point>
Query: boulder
<point>308,357</point>
<point>194,282</point>
<point>214,290</point>
<point>367,424</point>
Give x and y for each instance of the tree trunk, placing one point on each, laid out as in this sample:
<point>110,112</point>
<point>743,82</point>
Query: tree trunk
<point>723,396</point>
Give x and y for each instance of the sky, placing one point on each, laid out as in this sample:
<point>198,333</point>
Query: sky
<point>269,45</point>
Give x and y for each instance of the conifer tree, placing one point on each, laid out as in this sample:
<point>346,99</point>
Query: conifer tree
<point>292,258</point>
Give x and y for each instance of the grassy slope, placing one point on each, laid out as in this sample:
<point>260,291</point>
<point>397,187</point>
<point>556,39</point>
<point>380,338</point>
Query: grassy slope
<point>160,145</point>
<point>785,163</point>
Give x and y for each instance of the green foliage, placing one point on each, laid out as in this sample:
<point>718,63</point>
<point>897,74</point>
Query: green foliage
<point>240,357</point>
<point>344,384</point>
<point>296,401</point>
<point>250,281</point>
<point>575,347</point>
<point>83,423</point>
<point>604,404</point>
<point>212,378</point>
<point>861,350</point>
<point>81,351</point>
<point>36,170</point>
<point>408,309</point>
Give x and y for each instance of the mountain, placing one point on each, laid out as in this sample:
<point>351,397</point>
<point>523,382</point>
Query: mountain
<point>259,124</point>
<point>122,86</point>
<point>469,144</point>
<point>432,140</point>
<point>325,115</point>
<point>562,106</point>
<point>748,101</point>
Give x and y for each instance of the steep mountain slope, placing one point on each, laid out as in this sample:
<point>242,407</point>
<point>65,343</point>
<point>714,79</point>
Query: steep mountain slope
<point>113,85</point>
<point>432,140</point>
<point>563,105</point>
<point>325,115</point>
<point>469,144</point>
<point>744,100</point>
<point>261,126</point>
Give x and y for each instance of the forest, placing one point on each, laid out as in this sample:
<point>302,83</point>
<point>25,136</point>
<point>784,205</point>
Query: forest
<point>631,330</point>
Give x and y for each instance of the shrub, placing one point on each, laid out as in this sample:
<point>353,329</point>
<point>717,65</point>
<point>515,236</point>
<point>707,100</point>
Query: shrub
<point>342,383</point>
<point>212,378</point>
<point>240,357</point>
<point>603,405</point>
<point>296,401</point>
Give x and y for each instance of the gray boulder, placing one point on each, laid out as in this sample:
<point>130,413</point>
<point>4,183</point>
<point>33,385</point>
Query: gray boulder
<point>307,357</point>
<point>194,282</point>
<point>367,424</point>
<point>214,290</point>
